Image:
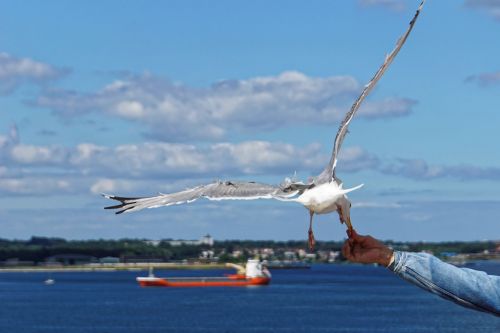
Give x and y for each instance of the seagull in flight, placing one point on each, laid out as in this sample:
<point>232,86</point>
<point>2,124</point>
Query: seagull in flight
<point>321,195</point>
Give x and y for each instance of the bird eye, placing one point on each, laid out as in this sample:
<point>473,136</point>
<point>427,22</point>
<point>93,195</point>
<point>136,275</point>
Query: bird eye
<point>350,205</point>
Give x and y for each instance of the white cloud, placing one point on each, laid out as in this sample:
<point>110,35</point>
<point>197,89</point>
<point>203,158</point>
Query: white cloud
<point>377,205</point>
<point>36,186</point>
<point>388,107</point>
<point>15,71</point>
<point>356,159</point>
<point>36,169</point>
<point>485,79</point>
<point>170,160</point>
<point>491,7</point>
<point>416,216</point>
<point>30,154</point>
<point>395,5</point>
<point>107,185</point>
<point>140,187</point>
<point>420,170</point>
<point>10,139</point>
<point>7,142</point>
<point>180,113</point>
<point>30,168</point>
<point>130,109</point>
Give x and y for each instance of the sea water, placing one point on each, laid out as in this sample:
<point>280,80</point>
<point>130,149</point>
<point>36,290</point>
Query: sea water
<point>326,298</point>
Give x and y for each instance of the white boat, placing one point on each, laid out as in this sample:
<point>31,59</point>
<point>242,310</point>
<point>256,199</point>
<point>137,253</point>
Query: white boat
<point>49,281</point>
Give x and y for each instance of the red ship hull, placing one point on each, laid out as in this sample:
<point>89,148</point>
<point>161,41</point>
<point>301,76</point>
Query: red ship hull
<point>202,282</point>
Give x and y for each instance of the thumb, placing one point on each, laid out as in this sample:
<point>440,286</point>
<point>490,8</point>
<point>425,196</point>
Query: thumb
<point>356,236</point>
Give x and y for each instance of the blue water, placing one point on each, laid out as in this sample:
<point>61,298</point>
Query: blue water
<point>327,298</point>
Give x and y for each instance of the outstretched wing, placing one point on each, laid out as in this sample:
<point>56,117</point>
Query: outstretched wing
<point>329,173</point>
<point>215,191</point>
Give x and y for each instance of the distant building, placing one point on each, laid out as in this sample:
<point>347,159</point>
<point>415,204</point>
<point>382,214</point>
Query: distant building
<point>322,255</point>
<point>16,262</point>
<point>266,253</point>
<point>289,255</point>
<point>311,256</point>
<point>448,254</point>
<point>71,259</point>
<point>109,260</point>
<point>140,259</point>
<point>205,240</point>
<point>236,253</point>
<point>153,242</point>
<point>333,256</point>
<point>207,254</point>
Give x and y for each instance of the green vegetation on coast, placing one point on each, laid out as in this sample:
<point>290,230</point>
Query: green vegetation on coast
<point>131,253</point>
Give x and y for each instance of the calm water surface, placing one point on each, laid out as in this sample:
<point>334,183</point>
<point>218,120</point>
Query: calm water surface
<point>327,298</point>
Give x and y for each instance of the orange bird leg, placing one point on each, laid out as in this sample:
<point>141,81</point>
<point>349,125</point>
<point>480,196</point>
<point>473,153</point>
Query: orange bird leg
<point>346,220</point>
<point>311,240</point>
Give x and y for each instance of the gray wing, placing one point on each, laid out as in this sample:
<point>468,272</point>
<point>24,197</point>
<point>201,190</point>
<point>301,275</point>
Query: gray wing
<point>215,191</point>
<point>329,173</point>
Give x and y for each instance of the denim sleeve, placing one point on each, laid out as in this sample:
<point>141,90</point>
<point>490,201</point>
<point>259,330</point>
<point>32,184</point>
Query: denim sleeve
<point>466,287</point>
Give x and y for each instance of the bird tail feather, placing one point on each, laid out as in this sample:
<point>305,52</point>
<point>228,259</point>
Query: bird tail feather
<point>347,190</point>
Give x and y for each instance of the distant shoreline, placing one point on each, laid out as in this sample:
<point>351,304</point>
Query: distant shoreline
<point>107,268</point>
<point>175,266</point>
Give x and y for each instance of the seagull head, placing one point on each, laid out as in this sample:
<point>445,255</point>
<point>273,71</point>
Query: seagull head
<point>345,210</point>
<point>345,207</point>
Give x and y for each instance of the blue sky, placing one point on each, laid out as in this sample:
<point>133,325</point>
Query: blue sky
<point>131,99</point>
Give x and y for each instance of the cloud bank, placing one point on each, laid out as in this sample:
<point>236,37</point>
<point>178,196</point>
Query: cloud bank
<point>174,112</point>
<point>16,71</point>
<point>419,169</point>
<point>485,79</point>
<point>491,7</point>
<point>394,5</point>
<point>37,169</point>
<point>31,169</point>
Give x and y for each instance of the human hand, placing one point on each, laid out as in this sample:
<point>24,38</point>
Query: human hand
<point>366,250</point>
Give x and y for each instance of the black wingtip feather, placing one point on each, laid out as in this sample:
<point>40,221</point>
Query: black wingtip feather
<point>114,207</point>
<point>121,199</point>
<point>123,210</point>
<point>123,202</point>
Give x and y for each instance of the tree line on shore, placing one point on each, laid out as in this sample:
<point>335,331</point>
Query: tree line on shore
<point>38,249</point>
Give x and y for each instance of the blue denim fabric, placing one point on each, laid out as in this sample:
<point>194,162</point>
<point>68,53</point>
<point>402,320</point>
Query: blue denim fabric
<point>466,287</point>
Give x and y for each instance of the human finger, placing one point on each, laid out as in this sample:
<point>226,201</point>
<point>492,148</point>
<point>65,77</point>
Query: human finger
<point>356,236</point>
<point>360,238</point>
<point>346,250</point>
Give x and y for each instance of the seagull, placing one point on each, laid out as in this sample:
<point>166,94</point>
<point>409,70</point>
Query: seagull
<point>320,195</point>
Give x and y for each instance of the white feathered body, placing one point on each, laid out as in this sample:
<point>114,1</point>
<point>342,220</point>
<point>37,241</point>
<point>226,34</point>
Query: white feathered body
<point>324,198</point>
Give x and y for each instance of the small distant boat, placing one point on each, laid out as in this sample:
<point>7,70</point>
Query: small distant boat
<point>255,275</point>
<point>49,281</point>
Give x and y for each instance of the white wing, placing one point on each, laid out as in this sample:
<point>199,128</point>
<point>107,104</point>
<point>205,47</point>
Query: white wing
<point>215,191</point>
<point>329,173</point>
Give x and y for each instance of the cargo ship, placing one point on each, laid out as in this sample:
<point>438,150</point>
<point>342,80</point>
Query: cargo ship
<point>254,274</point>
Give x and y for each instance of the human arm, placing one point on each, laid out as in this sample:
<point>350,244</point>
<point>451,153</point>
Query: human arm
<point>466,287</point>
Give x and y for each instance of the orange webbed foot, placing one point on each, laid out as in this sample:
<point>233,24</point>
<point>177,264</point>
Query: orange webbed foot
<point>311,240</point>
